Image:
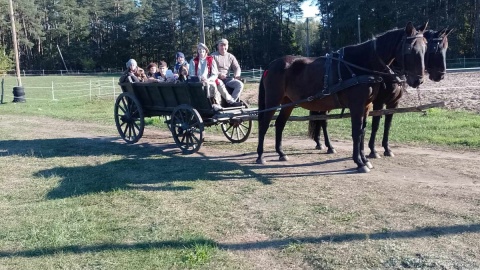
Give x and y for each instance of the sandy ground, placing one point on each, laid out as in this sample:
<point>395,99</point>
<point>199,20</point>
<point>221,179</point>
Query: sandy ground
<point>458,91</point>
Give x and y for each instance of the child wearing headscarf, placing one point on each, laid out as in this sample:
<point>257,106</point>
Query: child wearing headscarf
<point>180,58</point>
<point>133,73</point>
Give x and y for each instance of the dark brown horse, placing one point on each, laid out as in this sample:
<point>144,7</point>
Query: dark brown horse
<point>435,62</point>
<point>312,84</point>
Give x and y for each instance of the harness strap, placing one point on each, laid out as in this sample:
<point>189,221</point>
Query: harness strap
<point>362,79</point>
<point>368,79</point>
<point>328,64</point>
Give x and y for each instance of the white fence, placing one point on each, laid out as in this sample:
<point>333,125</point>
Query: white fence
<point>89,89</point>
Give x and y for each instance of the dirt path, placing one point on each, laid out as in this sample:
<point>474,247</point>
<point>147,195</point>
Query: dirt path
<point>445,167</point>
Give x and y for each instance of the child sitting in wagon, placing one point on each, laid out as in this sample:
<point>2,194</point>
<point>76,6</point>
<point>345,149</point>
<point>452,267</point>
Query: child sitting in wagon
<point>164,74</point>
<point>133,73</point>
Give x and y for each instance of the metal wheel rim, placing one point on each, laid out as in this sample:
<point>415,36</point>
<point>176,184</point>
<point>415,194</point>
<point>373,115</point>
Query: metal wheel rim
<point>237,130</point>
<point>129,118</point>
<point>187,129</point>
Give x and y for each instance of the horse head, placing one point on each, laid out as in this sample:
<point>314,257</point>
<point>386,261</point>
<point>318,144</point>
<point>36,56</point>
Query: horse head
<point>435,57</point>
<point>410,54</point>
<point>403,50</point>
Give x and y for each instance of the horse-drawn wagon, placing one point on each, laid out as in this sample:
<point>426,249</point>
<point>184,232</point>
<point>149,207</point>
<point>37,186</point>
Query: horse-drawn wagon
<point>186,109</point>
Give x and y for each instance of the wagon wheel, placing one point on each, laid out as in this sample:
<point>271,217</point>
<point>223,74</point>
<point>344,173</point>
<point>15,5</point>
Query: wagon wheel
<point>129,117</point>
<point>237,130</point>
<point>187,128</point>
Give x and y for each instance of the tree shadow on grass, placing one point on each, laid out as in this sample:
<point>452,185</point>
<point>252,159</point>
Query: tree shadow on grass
<point>146,166</point>
<point>256,245</point>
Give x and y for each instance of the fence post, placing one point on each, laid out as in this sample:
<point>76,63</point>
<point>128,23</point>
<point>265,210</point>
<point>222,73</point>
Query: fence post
<point>1,98</point>
<point>90,89</point>
<point>43,72</point>
<point>113,85</point>
<point>53,92</point>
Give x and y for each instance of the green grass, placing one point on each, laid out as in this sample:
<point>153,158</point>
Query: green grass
<point>436,127</point>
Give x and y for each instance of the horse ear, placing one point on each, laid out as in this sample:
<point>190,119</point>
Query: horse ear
<point>448,31</point>
<point>423,27</point>
<point>409,29</point>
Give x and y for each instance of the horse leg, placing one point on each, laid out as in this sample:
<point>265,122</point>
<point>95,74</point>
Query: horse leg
<point>386,133</point>
<point>362,143</point>
<point>328,144</point>
<point>263,124</point>
<point>279,126</point>
<point>375,125</point>
<point>358,120</point>
<point>314,130</point>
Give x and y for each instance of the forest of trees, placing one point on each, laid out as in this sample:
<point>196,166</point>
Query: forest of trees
<point>102,34</point>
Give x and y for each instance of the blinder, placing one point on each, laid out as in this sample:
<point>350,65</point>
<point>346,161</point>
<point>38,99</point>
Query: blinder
<point>434,45</point>
<point>408,47</point>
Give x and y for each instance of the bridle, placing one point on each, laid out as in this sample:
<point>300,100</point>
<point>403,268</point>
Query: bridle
<point>435,47</point>
<point>407,49</point>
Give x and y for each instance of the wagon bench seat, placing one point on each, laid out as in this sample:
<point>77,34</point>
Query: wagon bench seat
<point>162,98</point>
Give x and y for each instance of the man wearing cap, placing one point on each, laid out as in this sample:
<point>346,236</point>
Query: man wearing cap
<point>205,68</point>
<point>226,62</point>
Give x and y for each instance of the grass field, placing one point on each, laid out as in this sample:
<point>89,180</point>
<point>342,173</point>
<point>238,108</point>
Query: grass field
<point>70,200</point>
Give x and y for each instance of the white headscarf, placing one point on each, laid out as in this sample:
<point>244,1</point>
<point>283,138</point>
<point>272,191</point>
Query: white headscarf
<point>131,62</point>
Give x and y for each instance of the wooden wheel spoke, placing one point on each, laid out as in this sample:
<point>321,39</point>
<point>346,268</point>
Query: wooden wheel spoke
<point>134,128</point>
<point>187,128</point>
<point>125,105</point>
<point>129,117</point>
<point>228,127</point>
<point>122,109</point>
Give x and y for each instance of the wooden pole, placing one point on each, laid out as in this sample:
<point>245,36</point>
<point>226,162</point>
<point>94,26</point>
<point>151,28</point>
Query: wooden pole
<point>202,25</point>
<point>15,44</point>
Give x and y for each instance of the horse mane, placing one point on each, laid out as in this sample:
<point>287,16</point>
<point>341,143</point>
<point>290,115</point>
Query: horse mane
<point>385,45</point>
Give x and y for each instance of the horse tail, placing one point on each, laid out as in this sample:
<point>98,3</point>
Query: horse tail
<point>261,93</point>
<point>314,125</point>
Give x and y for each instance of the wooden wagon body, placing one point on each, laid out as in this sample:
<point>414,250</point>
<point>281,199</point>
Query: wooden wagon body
<point>187,111</point>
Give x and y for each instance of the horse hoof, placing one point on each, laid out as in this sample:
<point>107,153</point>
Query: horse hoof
<point>388,154</point>
<point>283,158</point>
<point>363,169</point>
<point>369,165</point>
<point>261,161</point>
<point>319,147</point>
<point>374,155</point>
<point>331,151</point>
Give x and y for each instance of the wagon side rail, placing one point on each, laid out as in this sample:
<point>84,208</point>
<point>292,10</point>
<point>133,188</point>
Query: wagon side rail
<point>160,99</point>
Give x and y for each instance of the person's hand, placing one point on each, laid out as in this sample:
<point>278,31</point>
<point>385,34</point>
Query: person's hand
<point>237,77</point>
<point>204,79</point>
<point>222,76</point>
